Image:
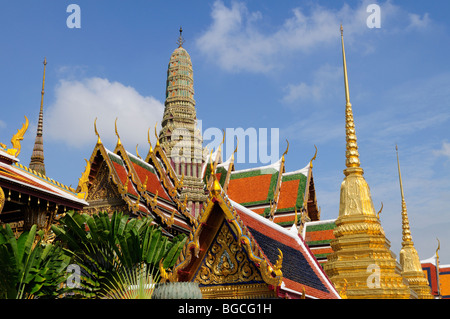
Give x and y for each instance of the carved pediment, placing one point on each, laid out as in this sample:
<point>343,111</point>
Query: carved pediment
<point>226,262</point>
<point>102,189</point>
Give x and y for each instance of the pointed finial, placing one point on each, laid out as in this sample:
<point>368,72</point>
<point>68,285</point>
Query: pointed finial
<point>43,83</point>
<point>117,133</point>
<point>156,135</point>
<point>379,212</point>
<point>180,40</point>
<point>286,151</point>
<point>148,139</point>
<point>438,247</point>
<point>223,141</point>
<point>96,132</point>
<point>235,150</point>
<point>352,155</point>
<point>313,158</point>
<point>83,182</point>
<point>216,188</point>
<point>137,153</point>
<point>405,221</point>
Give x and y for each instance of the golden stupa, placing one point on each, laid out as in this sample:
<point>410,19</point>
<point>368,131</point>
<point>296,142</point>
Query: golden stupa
<point>409,259</point>
<point>362,264</point>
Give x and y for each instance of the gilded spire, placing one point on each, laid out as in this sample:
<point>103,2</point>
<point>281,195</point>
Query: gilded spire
<point>405,221</point>
<point>409,258</point>
<point>37,157</point>
<point>352,155</point>
<point>360,244</point>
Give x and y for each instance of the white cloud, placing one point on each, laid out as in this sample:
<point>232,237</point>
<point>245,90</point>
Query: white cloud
<point>325,129</point>
<point>418,22</point>
<point>301,91</point>
<point>235,40</point>
<point>71,117</point>
<point>323,80</point>
<point>444,151</point>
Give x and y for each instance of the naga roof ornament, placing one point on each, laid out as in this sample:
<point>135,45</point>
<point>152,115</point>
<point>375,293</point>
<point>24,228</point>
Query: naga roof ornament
<point>17,138</point>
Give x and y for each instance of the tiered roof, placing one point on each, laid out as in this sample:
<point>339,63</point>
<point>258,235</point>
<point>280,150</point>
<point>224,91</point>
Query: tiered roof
<point>275,258</point>
<point>318,236</point>
<point>269,190</point>
<point>300,268</point>
<point>147,187</point>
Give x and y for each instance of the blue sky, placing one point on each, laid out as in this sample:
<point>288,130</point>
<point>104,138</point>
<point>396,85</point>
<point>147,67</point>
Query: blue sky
<point>257,64</point>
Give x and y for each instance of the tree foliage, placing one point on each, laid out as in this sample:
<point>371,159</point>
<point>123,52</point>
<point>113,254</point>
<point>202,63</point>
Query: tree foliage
<point>105,248</point>
<point>29,267</point>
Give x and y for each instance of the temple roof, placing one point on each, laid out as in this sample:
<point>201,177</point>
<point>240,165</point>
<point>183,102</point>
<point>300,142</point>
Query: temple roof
<point>318,236</point>
<point>282,257</point>
<point>148,187</point>
<point>300,267</point>
<point>261,180</point>
<point>28,181</point>
<point>268,190</point>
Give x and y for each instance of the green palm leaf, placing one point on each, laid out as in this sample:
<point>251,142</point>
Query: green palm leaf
<point>112,247</point>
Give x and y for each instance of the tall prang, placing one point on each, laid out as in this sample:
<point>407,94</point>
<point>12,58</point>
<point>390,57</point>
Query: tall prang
<point>179,135</point>
<point>37,157</point>
<point>362,263</point>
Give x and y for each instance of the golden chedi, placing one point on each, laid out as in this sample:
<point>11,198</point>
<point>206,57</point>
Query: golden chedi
<point>361,264</point>
<point>409,259</point>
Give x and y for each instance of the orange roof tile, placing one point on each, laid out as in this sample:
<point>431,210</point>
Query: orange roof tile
<point>288,194</point>
<point>153,183</point>
<point>250,189</point>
